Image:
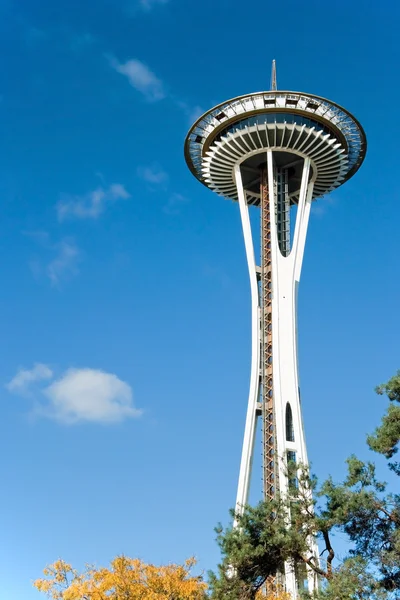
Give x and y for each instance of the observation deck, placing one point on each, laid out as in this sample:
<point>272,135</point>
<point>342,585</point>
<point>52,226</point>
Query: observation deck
<point>293,125</point>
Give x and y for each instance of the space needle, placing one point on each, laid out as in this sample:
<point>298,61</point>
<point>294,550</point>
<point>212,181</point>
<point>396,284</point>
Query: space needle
<point>279,151</point>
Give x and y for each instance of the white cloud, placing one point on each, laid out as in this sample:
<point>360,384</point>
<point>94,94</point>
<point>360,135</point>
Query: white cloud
<point>89,395</point>
<point>79,395</point>
<point>24,378</point>
<point>65,262</point>
<point>92,204</point>
<point>66,256</point>
<point>175,201</point>
<point>153,174</point>
<point>141,78</point>
<point>323,205</point>
<point>194,113</point>
<point>147,83</point>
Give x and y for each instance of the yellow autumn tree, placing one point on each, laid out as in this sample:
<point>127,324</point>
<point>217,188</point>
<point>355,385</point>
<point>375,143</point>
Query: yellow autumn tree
<point>278,594</point>
<point>124,579</point>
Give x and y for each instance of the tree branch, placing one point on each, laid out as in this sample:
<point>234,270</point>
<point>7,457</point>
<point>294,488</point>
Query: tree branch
<point>313,566</point>
<point>331,553</point>
<point>389,515</point>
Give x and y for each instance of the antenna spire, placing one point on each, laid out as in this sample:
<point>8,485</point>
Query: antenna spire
<point>273,76</point>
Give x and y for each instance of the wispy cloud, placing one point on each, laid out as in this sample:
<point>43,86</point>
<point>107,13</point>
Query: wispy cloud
<point>153,174</point>
<point>92,204</point>
<point>174,204</point>
<point>141,78</point>
<point>158,179</point>
<point>321,206</point>
<point>25,378</point>
<point>79,395</point>
<point>192,112</point>
<point>149,85</point>
<point>65,263</point>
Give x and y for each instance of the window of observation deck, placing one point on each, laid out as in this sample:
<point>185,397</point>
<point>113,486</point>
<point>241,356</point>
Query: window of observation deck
<point>272,117</point>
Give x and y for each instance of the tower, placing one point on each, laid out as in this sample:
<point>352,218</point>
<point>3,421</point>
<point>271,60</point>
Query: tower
<point>278,151</point>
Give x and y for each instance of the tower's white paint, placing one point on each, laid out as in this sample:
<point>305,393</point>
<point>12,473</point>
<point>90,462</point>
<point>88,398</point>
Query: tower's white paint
<point>277,150</point>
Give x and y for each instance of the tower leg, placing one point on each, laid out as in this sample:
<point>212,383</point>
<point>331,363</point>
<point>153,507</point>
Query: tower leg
<point>251,417</point>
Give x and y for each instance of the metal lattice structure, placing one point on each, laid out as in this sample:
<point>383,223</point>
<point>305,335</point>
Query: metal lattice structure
<point>267,410</point>
<point>277,150</point>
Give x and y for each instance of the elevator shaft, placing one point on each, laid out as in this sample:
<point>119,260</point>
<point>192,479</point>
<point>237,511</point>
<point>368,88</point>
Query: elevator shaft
<point>281,214</point>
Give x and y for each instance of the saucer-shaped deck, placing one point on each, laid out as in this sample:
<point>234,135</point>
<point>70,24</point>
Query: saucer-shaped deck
<point>293,125</point>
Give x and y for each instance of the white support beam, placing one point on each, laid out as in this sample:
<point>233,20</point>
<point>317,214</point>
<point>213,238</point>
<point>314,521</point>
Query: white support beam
<point>251,417</point>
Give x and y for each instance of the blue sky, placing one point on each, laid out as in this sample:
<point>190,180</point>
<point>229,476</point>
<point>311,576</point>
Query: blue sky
<point>124,321</point>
